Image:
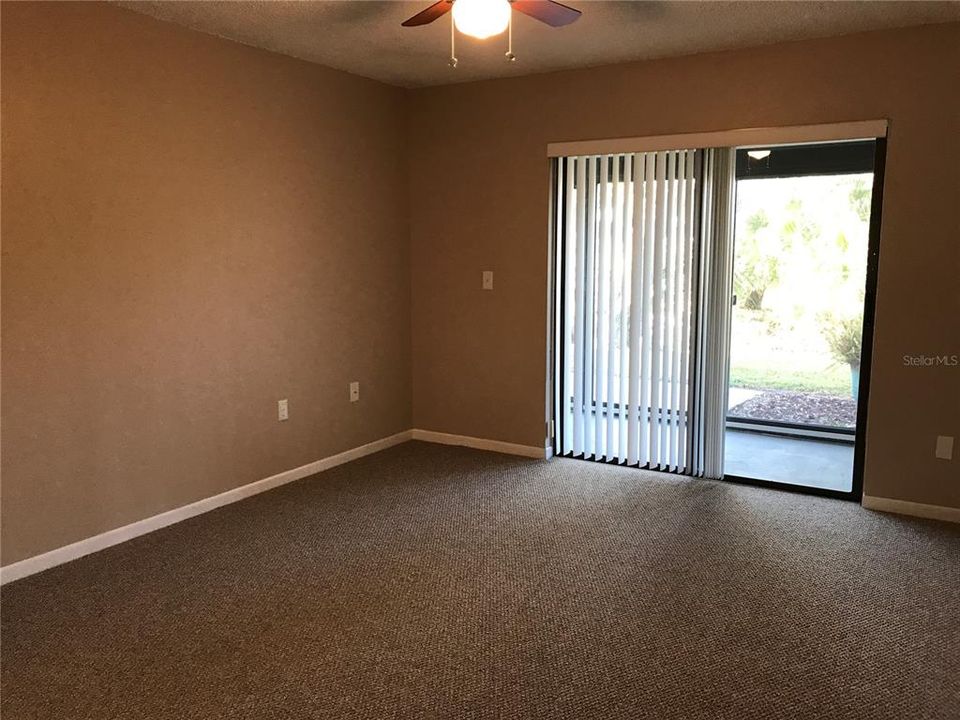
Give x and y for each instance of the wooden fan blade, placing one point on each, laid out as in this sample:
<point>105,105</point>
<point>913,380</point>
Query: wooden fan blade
<point>425,17</point>
<point>552,13</point>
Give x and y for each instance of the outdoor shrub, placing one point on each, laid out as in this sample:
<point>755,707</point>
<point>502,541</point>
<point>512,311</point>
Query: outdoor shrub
<point>843,336</point>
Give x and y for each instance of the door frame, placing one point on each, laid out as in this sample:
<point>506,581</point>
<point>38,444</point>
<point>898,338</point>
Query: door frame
<point>874,130</point>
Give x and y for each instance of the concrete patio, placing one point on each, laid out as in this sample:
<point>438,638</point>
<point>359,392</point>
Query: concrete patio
<point>797,461</point>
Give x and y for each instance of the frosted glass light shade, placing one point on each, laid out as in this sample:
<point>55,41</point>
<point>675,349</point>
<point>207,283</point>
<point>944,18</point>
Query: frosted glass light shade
<point>481,18</point>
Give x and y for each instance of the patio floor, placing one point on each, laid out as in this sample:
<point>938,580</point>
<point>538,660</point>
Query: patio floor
<point>798,461</point>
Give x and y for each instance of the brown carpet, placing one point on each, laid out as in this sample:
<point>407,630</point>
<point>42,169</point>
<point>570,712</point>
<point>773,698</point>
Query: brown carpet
<point>436,582</point>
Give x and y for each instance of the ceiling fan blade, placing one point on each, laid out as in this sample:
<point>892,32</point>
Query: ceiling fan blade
<point>425,17</point>
<point>552,13</point>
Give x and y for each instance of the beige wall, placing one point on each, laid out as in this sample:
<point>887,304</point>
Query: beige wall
<point>192,229</point>
<point>479,200</point>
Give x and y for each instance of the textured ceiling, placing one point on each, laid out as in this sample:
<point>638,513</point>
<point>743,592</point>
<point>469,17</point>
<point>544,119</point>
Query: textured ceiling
<point>365,37</point>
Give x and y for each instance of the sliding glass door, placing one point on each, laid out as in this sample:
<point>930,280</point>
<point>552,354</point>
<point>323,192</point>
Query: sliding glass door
<point>714,310</point>
<point>802,243</point>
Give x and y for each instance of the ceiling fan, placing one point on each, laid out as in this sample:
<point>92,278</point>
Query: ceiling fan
<point>486,18</point>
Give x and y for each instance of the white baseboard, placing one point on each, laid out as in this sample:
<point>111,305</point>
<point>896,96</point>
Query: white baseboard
<point>46,560</point>
<point>904,507</point>
<point>499,446</point>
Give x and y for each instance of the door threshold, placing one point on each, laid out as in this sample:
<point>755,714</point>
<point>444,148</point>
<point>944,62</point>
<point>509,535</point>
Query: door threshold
<point>793,488</point>
<point>793,432</point>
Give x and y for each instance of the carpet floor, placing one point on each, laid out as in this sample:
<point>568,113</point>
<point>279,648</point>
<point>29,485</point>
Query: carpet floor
<point>440,582</point>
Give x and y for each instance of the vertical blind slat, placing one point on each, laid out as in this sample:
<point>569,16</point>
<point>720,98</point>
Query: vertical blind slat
<point>579,301</point>
<point>656,377</point>
<point>589,305</point>
<point>633,428</point>
<point>678,311</point>
<point>627,246</point>
<point>646,342</point>
<point>613,391</point>
<point>569,306</point>
<point>668,276</point>
<point>603,280</point>
<point>688,311</point>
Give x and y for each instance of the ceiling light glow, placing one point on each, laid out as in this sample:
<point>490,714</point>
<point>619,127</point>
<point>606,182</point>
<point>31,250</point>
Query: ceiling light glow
<point>481,18</point>
<point>758,154</point>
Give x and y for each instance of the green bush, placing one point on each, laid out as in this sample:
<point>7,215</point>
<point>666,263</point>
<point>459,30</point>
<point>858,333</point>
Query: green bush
<point>843,336</point>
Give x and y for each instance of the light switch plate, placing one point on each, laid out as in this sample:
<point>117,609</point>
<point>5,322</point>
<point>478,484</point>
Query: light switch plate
<point>488,279</point>
<point>944,449</point>
<point>354,391</point>
<point>283,410</point>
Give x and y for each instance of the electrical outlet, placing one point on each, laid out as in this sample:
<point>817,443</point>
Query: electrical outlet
<point>283,410</point>
<point>354,391</point>
<point>487,280</point>
<point>944,449</point>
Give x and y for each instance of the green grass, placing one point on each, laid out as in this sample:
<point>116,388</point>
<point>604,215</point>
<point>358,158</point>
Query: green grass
<point>785,355</point>
<point>835,381</point>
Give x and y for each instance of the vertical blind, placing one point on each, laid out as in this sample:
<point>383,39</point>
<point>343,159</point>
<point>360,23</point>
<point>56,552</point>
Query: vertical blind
<point>633,385</point>
<point>714,311</point>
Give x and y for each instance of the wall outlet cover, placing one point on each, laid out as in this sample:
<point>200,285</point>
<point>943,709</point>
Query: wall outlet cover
<point>944,449</point>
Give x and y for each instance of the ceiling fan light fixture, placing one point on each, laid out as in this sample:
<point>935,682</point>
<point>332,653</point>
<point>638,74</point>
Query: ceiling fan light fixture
<point>481,18</point>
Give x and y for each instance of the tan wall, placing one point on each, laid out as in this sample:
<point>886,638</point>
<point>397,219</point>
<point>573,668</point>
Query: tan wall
<point>479,200</point>
<point>192,229</point>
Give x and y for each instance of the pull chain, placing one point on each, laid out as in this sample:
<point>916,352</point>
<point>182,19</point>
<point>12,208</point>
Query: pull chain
<point>453,46</point>
<point>509,54</point>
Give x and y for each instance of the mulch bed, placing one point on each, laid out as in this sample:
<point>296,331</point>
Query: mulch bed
<point>799,407</point>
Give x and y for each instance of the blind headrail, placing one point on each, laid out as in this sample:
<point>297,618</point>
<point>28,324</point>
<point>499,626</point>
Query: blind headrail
<point>753,137</point>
